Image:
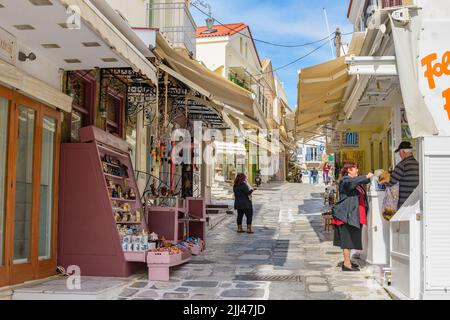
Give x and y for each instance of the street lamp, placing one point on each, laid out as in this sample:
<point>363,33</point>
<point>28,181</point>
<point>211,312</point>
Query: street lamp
<point>210,20</point>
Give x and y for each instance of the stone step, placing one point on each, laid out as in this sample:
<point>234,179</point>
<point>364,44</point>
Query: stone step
<point>6,295</point>
<point>92,288</point>
<point>217,206</point>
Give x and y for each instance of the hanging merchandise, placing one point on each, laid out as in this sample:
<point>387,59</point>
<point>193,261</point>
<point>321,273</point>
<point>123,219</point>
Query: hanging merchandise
<point>390,201</point>
<point>166,102</point>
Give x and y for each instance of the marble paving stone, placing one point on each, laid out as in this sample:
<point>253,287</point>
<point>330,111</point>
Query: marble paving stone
<point>318,288</point>
<point>128,292</point>
<point>208,291</point>
<point>140,284</point>
<point>203,297</point>
<point>243,293</point>
<point>328,296</point>
<point>201,284</point>
<point>287,291</point>
<point>148,294</point>
<point>164,285</point>
<point>246,286</point>
<point>175,296</point>
<point>316,280</point>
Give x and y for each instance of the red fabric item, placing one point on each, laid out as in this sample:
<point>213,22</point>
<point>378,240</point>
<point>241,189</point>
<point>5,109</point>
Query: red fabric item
<point>362,207</point>
<point>337,222</point>
<point>362,211</point>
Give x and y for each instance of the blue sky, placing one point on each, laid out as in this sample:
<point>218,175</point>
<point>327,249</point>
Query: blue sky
<point>285,22</point>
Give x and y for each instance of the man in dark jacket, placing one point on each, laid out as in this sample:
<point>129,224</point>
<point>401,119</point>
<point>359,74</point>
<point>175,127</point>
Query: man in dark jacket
<point>406,173</point>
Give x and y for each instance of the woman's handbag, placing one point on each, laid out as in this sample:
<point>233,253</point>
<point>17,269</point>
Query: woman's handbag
<point>390,202</point>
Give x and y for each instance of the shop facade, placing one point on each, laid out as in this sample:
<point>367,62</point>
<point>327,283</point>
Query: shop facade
<point>40,107</point>
<point>399,98</point>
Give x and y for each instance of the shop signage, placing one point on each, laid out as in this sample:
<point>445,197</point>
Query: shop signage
<point>8,47</point>
<point>434,62</point>
<point>436,67</point>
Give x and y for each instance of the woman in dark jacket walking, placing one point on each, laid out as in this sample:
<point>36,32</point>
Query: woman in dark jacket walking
<point>350,213</point>
<point>242,202</point>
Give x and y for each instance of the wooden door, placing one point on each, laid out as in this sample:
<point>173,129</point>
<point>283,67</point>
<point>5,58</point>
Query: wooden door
<point>6,130</point>
<point>30,217</point>
<point>24,196</point>
<point>49,178</point>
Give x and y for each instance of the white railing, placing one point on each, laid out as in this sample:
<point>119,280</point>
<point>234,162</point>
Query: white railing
<point>175,21</point>
<point>396,3</point>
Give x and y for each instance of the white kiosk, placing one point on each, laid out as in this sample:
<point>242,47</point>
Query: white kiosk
<point>421,229</point>
<point>376,233</point>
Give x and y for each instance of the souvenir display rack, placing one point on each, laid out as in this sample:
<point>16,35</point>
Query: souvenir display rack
<point>101,223</point>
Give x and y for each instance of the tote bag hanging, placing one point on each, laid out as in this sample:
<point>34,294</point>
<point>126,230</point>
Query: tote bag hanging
<point>390,202</point>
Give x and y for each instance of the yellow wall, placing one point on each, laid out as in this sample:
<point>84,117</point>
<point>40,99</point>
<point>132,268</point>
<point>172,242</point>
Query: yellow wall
<point>366,137</point>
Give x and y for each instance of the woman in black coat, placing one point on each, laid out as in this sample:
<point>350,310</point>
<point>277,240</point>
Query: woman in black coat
<point>350,213</point>
<point>242,202</point>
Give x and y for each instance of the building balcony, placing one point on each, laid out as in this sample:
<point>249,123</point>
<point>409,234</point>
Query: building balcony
<point>396,3</point>
<point>235,79</point>
<point>176,23</point>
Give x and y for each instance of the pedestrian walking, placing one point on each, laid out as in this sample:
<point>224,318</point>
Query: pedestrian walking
<point>350,213</point>
<point>315,175</point>
<point>242,202</point>
<point>299,176</point>
<point>326,173</point>
<point>406,173</point>
<point>310,175</point>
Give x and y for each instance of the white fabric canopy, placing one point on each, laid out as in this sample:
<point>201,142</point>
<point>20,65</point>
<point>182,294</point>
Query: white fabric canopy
<point>419,117</point>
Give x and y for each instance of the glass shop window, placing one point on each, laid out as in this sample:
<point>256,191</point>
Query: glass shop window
<point>82,89</point>
<point>113,115</point>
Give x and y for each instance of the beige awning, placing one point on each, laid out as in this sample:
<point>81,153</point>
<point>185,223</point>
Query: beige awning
<point>201,79</point>
<point>321,93</point>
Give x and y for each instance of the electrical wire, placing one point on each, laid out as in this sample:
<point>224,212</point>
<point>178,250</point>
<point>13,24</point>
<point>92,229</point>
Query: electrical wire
<point>294,61</point>
<point>263,41</point>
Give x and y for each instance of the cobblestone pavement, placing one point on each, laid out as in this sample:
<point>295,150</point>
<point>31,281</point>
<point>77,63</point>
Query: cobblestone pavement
<point>288,257</point>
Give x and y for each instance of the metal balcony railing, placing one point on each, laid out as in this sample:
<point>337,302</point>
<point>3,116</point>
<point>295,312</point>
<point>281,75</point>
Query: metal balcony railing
<point>158,183</point>
<point>396,3</point>
<point>175,21</point>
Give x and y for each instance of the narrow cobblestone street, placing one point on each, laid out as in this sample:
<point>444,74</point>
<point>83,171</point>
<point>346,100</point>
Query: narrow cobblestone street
<point>288,257</point>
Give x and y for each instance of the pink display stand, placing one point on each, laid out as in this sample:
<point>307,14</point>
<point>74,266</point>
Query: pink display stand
<point>88,235</point>
<point>170,222</point>
<point>159,264</point>
<point>165,221</point>
<point>196,207</point>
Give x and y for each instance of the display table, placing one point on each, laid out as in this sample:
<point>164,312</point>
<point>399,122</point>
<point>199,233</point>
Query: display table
<point>159,264</point>
<point>376,241</point>
<point>187,218</point>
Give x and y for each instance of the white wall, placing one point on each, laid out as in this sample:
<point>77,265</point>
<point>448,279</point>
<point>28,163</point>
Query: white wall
<point>215,52</point>
<point>135,11</point>
<point>41,68</point>
<point>241,60</point>
<point>212,53</point>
